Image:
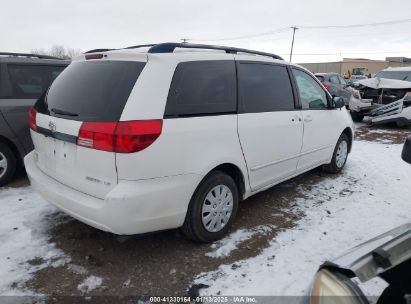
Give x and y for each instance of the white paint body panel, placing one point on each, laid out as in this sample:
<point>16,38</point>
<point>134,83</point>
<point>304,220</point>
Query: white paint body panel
<point>271,144</point>
<point>322,128</point>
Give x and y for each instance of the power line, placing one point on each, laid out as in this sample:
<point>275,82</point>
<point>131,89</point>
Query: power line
<point>282,30</point>
<point>348,53</point>
<point>356,25</point>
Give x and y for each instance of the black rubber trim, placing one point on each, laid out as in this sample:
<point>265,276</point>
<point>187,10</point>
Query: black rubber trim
<point>57,135</point>
<point>199,115</point>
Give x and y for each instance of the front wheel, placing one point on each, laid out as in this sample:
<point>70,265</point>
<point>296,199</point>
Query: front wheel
<point>212,208</point>
<point>339,156</point>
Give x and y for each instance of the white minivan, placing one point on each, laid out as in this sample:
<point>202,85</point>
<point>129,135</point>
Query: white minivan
<point>175,135</point>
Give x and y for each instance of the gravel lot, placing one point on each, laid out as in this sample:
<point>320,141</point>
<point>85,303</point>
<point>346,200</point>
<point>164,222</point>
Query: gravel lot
<point>74,259</point>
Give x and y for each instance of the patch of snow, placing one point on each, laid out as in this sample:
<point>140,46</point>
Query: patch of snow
<point>25,220</point>
<point>225,246</point>
<point>371,196</point>
<point>89,284</point>
<point>77,269</point>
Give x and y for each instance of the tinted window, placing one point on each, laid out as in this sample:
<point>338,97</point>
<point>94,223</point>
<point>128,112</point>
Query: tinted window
<point>312,95</point>
<point>92,90</point>
<point>202,87</point>
<point>30,81</point>
<point>264,88</point>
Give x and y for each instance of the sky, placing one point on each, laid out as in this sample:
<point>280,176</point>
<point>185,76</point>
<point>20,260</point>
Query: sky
<point>88,24</point>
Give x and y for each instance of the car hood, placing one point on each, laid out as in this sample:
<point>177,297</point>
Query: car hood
<point>377,255</point>
<point>384,83</point>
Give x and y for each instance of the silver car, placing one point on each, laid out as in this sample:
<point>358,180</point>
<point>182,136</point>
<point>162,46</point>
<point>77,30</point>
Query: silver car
<point>23,79</point>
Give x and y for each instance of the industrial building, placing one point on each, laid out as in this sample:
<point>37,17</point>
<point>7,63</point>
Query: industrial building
<point>354,66</point>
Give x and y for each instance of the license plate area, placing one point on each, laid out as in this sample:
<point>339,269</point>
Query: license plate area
<point>58,155</point>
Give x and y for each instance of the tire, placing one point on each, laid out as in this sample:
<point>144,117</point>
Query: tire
<point>357,117</point>
<point>198,224</point>
<point>339,156</point>
<point>8,164</point>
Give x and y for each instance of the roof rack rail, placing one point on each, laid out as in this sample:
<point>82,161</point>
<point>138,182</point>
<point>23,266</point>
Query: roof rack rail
<point>140,46</point>
<point>29,55</point>
<point>169,47</point>
<point>126,48</point>
<point>98,50</point>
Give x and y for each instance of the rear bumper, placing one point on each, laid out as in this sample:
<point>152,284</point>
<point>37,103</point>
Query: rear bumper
<point>356,105</point>
<point>132,207</point>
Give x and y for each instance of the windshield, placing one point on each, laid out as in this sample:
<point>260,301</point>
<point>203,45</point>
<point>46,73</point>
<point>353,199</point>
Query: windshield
<point>91,91</point>
<point>398,75</point>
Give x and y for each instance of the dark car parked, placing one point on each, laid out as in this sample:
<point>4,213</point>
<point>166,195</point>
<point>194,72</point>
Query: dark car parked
<point>23,79</point>
<point>336,85</point>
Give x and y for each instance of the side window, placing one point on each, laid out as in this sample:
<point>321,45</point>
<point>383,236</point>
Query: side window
<point>202,87</point>
<point>264,88</point>
<point>312,95</point>
<point>334,79</point>
<point>30,81</point>
<point>342,80</point>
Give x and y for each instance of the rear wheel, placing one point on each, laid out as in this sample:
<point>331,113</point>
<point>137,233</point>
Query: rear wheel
<point>212,208</point>
<point>357,117</point>
<point>340,155</point>
<point>7,164</point>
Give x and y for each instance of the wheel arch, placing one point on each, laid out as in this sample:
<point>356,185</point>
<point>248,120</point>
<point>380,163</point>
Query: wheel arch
<point>235,173</point>
<point>350,134</point>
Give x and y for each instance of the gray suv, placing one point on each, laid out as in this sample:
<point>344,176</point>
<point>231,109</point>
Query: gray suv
<point>23,79</point>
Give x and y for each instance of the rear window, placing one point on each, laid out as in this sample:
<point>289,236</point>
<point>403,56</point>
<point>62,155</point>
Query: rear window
<point>30,81</point>
<point>91,90</point>
<point>202,88</point>
<point>264,88</point>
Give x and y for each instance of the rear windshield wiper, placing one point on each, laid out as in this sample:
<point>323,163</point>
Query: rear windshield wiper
<point>62,112</point>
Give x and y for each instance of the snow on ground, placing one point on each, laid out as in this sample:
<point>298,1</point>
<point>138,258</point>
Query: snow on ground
<point>25,218</point>
<point>371,196</point>
<point>225,246</point>
<point>90,283</point>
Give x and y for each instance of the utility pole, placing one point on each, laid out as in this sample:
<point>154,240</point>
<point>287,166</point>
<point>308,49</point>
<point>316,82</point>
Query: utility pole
<point>292,43</point>
<point>185,40</point>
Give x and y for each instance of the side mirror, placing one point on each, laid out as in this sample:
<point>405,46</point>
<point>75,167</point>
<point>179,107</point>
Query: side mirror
<point>338,102</point>
<point>406,151</point>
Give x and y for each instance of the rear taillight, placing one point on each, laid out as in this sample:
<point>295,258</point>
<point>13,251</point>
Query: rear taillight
<point>120,137</point>
<point>94,56</point>
<point>326,85</point>
<point>32,119</point>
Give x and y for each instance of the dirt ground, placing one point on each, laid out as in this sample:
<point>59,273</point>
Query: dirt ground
<point>165,263</point>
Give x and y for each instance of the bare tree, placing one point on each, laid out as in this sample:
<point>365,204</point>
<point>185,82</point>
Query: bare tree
<point>58,51</point>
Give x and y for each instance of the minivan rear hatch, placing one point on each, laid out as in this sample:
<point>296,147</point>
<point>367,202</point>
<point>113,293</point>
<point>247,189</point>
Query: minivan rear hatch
<point>86,97</point>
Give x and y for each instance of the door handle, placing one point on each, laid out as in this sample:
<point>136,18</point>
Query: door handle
<point>308,118</point>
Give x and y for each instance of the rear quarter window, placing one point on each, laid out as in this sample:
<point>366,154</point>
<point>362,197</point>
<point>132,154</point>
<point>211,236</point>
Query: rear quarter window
<point>91,90</point>
<point>30,81</point>
<point>202,88</point>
